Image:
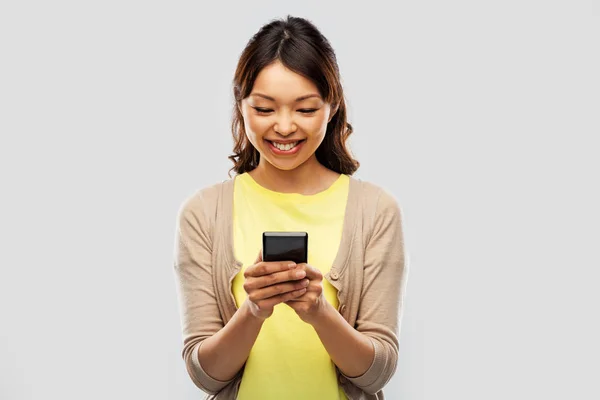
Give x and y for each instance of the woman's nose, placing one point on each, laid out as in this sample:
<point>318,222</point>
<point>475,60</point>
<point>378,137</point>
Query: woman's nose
<point>285,124</point>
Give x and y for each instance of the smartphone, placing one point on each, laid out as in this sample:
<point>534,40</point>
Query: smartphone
<point>285,246</point>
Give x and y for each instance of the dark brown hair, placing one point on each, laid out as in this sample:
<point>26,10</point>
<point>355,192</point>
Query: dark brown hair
<point>300,47</point>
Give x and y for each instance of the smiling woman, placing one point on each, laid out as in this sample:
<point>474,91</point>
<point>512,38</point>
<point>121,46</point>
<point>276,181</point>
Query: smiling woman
<point>280,125</point>
<point>325,329</point>
<point>288,91</point>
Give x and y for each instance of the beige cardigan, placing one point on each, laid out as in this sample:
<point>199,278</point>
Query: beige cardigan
<point>370,273</point>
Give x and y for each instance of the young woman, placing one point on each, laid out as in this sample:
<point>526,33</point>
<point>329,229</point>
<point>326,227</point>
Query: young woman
<point>327,329</point>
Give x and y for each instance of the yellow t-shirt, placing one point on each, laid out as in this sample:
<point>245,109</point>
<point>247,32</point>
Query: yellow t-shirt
<point>288,360</point>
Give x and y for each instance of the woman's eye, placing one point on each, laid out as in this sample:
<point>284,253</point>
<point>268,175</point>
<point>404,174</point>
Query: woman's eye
<point>262,110</point>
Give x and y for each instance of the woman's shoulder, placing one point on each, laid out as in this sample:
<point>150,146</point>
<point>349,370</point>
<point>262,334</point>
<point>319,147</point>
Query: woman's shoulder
<point>204,198</point>
<point>381,211</point>
<point>375,195</point>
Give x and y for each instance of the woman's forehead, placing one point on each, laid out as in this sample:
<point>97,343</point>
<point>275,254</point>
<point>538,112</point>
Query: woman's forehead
<point>278,83</point>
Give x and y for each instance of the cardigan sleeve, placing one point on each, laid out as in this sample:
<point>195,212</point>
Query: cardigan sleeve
<point>199,314</point>
<point>382,295</point>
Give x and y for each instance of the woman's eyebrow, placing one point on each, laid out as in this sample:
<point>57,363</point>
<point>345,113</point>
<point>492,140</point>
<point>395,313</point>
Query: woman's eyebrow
<point>306,96</point>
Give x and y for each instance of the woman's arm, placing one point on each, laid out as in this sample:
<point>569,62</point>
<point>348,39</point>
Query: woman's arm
<point>200,317</point>
<point>337,337</point>
<point>267,284</point>
<point>215,353</point>
<point>224,353</point>
<point>368,355</point>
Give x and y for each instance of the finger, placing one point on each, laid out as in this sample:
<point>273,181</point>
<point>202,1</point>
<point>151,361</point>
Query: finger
<point>314,289</point>
<point>259,258</point>
<point>265,268</point>
<point>282,298</point>
<point>314,286</point>
<point>298,299</point>
<point>276,290</point>
<point>253,283</point>
<point>311,272</point>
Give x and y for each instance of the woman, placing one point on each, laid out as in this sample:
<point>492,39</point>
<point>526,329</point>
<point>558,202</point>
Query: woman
<point>326,329</point>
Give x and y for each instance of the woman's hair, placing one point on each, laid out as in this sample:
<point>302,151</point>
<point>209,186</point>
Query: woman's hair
<point>300,47</point>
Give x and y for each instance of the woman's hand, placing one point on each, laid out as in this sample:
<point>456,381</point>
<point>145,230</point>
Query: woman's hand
<point>312,304</point>
<point>270,283</point>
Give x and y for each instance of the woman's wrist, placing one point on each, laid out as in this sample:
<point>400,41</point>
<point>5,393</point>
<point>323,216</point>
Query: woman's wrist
<point>248,315</point>
<point>324,315</point>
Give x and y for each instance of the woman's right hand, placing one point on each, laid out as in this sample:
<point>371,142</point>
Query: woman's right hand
<point>270,283</point>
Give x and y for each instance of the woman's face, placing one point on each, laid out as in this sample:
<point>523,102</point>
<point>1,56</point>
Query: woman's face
<point>285,117</point>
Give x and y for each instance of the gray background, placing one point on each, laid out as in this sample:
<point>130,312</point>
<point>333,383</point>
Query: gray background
<point>481,118</point>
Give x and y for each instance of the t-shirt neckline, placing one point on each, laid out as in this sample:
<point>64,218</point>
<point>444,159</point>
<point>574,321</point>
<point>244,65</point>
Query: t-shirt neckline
<point>293,196</point>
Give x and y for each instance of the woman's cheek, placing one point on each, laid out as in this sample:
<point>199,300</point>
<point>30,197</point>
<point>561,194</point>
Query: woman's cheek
<point>317,128</point>
<point>258,126</point>
<point>253,132</point>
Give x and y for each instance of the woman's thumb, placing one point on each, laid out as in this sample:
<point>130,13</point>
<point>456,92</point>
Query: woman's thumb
<point>259,258</point>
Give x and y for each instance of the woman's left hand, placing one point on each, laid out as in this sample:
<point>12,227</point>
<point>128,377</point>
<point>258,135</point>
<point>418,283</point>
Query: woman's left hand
<point>312,304</point>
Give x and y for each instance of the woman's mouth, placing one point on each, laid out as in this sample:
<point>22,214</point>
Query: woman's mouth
<point>285,148</point>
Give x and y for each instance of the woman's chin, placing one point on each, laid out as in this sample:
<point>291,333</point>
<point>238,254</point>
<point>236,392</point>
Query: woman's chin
<point>287,162</point>
<point>284,165</point>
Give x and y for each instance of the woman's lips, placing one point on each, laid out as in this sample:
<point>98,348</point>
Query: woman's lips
<point>293,150</point>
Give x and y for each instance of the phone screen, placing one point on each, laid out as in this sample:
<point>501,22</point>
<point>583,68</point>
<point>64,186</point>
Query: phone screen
<point>285,246</point>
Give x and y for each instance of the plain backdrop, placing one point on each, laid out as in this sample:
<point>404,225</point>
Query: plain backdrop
<point>481,118</point>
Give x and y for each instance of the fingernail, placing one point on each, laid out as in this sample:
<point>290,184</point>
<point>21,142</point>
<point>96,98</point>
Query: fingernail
<point>300,274</point>
<point>291,265</point>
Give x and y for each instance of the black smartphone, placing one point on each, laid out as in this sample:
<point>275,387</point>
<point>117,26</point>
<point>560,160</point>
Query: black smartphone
<point>285,246</point>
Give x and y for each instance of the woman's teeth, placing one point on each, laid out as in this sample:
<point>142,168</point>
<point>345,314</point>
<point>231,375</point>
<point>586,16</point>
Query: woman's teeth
<point>285,147</point>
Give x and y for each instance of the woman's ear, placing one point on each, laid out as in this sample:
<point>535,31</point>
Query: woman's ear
<point>333,111</point>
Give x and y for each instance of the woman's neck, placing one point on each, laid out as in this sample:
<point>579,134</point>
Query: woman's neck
<point>309,178</point>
